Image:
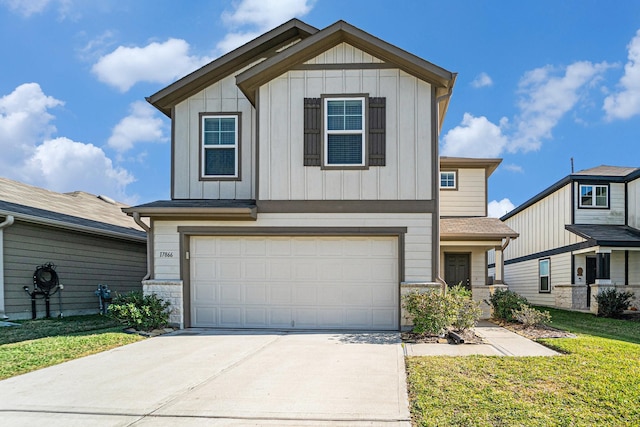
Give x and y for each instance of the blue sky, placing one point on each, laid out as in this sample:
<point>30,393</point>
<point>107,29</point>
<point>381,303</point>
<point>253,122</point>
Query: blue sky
<point>539,82</point>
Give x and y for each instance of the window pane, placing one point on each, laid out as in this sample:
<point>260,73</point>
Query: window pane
<point>220,161</point>
<point>335,108</point>
<point>335,122</point>
<point>228,124</point>
<point>447,180</point>
<point>544,268</point>
<point>601,196</point>
<point>353,122</point>
<point>227,138</point>
<point>353,108</point>
<point>211,138</point>
<point>544,283</point>
<point>211,124</point>
<point>344,150</point>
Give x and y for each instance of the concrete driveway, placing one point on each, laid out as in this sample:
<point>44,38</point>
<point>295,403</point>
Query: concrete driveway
<point>204,377</point>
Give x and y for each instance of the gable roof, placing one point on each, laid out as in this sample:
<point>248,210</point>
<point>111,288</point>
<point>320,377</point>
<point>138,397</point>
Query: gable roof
<point>79,211</point>
<point>261,47</point>
<point>602,173</point>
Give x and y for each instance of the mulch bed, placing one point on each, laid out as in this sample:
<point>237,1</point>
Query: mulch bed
<point>534,332</point>
<point>413,338</point>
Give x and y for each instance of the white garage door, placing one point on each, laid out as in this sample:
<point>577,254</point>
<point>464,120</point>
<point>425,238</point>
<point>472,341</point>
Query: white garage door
<point>295,282</point>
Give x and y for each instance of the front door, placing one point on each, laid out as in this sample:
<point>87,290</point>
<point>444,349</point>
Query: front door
<point>457,269</point>
<point>591,277</point>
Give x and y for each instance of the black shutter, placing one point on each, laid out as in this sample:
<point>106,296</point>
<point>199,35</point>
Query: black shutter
<point>312,131</point>
<point>377,127</point>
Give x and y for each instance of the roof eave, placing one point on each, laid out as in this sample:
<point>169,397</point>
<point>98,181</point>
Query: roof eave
<point>479,236</point>
<point>249,213</point>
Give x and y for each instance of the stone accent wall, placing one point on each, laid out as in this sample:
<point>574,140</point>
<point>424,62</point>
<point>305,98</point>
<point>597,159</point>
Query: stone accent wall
<point>482,295</point>
<point>596,288</point>
<point>168,290</point>
<point>570,297</point>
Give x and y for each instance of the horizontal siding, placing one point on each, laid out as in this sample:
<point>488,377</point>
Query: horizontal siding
<point>82,262</point>
<point>418,240</point>
<point>614,215</point>
<point>522,278</point>
<point>221,97</point>
<point>407,174</point>
<point>633,191</point>
<point>470,197</point>
<point>344,54</point>
<point>541,225</point>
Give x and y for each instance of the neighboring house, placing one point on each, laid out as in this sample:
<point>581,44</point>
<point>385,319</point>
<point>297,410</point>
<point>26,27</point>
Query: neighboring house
<point>87,238</point>
<point>579,235</point>
<point>304,183</point>
<point>466,233</point>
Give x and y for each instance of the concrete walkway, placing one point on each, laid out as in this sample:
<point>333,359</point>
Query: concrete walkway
<point>200,377</point>
<point>500,342</point>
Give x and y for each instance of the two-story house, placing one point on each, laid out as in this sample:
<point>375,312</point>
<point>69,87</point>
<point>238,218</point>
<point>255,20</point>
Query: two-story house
<point>577,236</point>
<point>304,183</point>
<point>466,233</point>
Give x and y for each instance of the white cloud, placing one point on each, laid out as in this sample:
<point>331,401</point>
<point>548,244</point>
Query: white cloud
<point>260,15</point>
<point>513,168</point>
<point>155,63</point>
<point>26,8</point>
<point>482,80</point>
<point>141,125</point>
<point>30,153</point>
<point>546,98</point>
<point>626,103</point>
<point>475,137</point>
<point>496,209</point>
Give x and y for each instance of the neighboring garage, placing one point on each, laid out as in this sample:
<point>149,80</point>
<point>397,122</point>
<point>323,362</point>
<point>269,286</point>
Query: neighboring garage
<point>294,282</point>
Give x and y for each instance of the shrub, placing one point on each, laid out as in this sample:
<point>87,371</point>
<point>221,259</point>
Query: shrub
<point>529,316</point>
<point>430,311</point>
<point>434,312</point>
<point>142,312</point>
<point>504,302</point>
<point>612,303</point>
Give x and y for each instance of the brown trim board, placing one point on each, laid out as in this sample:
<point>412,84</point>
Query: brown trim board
<point>347,206</point>
<point>435,188</point>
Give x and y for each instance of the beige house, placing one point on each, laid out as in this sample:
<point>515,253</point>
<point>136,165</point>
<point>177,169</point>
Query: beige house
<point>304,183</point>
<point>87,238</point>
<point>578,236</point>
<point>466,233</point>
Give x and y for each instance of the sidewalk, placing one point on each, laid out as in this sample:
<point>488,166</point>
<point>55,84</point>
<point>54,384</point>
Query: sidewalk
<point>500,342</point>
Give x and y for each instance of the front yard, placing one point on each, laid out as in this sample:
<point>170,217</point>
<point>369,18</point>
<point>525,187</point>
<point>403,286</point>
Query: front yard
<point>596,381</point>
<point>40,343</point>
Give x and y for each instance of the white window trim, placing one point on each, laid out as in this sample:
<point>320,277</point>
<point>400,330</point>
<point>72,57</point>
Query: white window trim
<point>593,197</point>
<point>328,132</point>
<point>455,180</point>
<point>548,276</point>
<point>204,148</point>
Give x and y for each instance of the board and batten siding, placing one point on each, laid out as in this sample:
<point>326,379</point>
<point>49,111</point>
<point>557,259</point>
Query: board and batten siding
<point>469,198</point>
<point>541,225</point>
<point>82,262</point>
<point>613,216</point>
<point>221,97</point>
<point>418,239</point>
<point>407,174</point>
<point>522,278</point>
<point>633,203</point>
<point>344,53</point>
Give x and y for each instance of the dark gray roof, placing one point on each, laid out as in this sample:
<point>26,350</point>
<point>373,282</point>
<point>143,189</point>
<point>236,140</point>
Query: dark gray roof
<point>69,220</point>
<point>607,235</point>
<point>201,208</point>
<point>195,203</point>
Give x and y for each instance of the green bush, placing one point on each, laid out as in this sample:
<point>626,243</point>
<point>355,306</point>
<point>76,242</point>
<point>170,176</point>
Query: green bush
<point>433,312</point>
<point>529,316</point>
<point>612,303</point>
<point>142,312</point>
<point>504,302</point>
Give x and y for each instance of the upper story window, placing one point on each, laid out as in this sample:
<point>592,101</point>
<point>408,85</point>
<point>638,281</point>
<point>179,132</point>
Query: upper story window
<point>344,132</point>
<point>594,196</point>
<point>448,180</point>
<point>220,145</point>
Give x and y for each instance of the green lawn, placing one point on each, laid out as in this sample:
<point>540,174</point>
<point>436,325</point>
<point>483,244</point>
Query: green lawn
<point>595,383</point>
<point>40,343</point>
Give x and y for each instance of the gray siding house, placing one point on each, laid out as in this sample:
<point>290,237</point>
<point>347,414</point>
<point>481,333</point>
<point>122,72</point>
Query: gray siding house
<point>87,238</point>
<point>578,236</point>
<point>304,183</point>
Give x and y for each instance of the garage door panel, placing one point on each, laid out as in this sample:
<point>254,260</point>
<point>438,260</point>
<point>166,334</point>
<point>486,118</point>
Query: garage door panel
<point>313,282</point>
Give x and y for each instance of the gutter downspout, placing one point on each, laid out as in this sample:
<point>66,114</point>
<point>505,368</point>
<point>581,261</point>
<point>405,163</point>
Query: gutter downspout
<point>502,248</point>
<point>147,229</point>
<point>438,277</point>
<point>8,221</point>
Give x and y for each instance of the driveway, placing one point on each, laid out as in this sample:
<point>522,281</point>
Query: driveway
<point>205,377</point>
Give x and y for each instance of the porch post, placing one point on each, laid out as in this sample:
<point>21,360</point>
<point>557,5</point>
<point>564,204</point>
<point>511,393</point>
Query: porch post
<point>499,266</point>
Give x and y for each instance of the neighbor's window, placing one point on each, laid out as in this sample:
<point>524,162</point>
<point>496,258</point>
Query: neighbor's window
<point>448,180</point>
<point>220,146</point>
<point>344,137</point>
<point>594,196</point>
<point>543,268</point>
